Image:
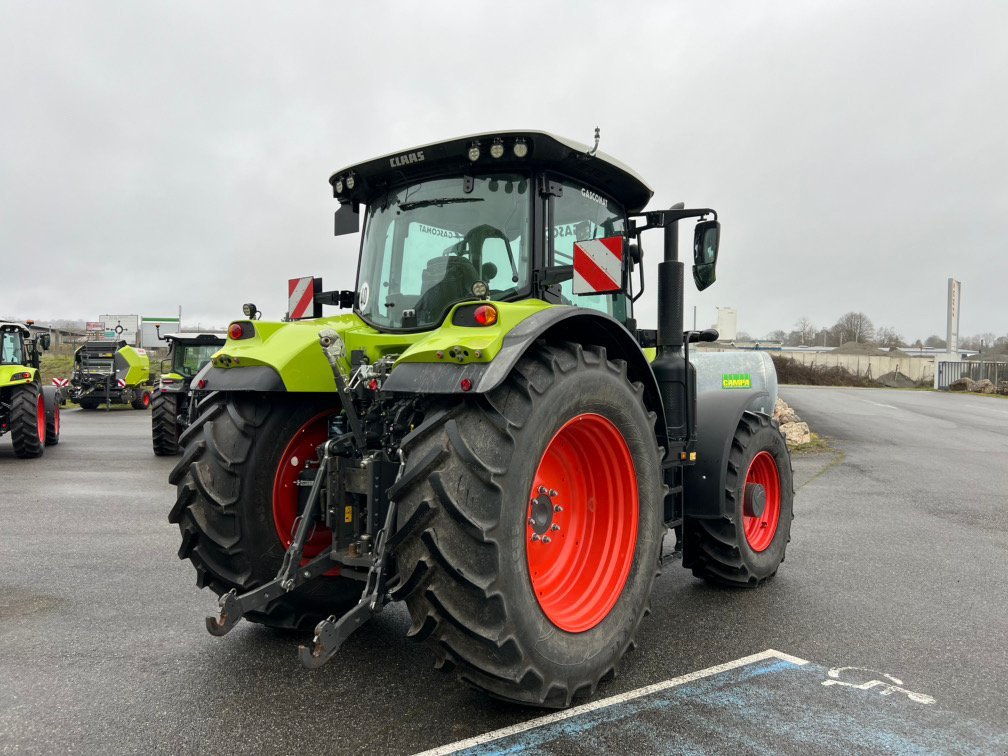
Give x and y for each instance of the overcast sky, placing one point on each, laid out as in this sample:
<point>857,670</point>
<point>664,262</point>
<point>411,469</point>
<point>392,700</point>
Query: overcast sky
<point>162,154</point>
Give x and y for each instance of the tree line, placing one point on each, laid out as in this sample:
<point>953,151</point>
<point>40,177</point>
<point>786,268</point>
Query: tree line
<point>859,328</point>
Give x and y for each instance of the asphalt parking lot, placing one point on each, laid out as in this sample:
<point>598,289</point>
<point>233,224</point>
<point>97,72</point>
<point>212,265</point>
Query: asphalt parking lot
<point>884,630</point>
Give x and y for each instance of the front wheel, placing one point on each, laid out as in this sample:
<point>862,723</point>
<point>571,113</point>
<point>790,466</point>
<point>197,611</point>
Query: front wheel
<point>51,398</point>
<point>532,521</point>
<point>141,400</point>
<point>745,548</point>
<point>237,499</point>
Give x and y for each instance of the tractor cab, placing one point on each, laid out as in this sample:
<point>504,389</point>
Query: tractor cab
<point>188,353</point>
<point>13,349</point>
<point>492,216</point>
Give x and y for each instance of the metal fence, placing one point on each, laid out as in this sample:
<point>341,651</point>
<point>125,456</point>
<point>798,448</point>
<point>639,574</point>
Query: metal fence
<point>950,372</point>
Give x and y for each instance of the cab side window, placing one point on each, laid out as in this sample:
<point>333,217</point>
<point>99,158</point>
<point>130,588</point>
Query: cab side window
<point>579,214</point>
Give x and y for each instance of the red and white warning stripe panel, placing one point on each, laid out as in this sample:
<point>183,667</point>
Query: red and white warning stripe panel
<point>300,297</point>
<point>61,382</point>
<point>121,383</point>
<point>598,266</point>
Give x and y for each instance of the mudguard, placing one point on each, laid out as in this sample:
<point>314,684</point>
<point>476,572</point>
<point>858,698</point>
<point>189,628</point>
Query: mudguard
<point>560,323</point>
<point>718,416</point>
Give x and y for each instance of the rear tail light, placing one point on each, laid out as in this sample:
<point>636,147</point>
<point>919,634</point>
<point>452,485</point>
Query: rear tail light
<point>241,330</point>
<point>485,315</point>
<point>20,376</point>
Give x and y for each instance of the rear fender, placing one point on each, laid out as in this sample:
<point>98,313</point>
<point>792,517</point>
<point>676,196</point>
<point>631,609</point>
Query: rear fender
<point>718,417</point>
<point>568,324</point>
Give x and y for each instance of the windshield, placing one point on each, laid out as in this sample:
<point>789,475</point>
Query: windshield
<point>11,348</point>
<point>427,244</point>
<point>189,358</point>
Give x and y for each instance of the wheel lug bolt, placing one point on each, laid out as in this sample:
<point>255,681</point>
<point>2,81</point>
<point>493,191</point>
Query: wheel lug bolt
<point>543,490</point>
<point>535,537</point>
<point>546,539</point>
<point>554,527</point>
<point>557,508</point>
<point>532,521</point>
<point>553,493</point>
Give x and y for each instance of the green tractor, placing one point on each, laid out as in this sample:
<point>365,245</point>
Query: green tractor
<point>487,435</point>
<point>29,411</point>
<point>170,402</point>
<point>110,372</point>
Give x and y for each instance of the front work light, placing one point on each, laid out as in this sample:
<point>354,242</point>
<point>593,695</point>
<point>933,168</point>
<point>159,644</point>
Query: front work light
<point>497,148</point>
<point>520,148</point>
<point>338,186</point>
<point>250,310</point>
<point>474,151</point>
<point>349,181</point>
<point>480,289</point>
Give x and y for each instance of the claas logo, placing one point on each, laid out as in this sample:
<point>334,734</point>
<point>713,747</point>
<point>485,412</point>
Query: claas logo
<point>736,381</point>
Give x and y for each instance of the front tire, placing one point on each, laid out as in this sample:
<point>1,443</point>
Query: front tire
<point>232,457</point>
<point>481,565</point>
<point>165,426</point>
<point>27,421</point>
<point>51,398</point>
<point>745,548</point>
<point>142,400</point>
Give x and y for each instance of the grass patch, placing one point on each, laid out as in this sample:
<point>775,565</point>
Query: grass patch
<point>816,445</point>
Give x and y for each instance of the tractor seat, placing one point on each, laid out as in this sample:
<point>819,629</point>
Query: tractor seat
<point>444,280</point>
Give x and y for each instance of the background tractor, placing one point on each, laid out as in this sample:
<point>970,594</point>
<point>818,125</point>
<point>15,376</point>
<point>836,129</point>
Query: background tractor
<point>110,372</point>
<point>487,435</point>
<point>170,401</point>
<point>28,410</point>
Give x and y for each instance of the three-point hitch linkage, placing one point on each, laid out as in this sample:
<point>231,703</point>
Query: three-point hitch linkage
<point>330,633</point>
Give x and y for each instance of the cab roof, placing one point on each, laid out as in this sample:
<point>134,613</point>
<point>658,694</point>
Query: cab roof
<point>194,337</point>
<point>11,326</point>
<point>545,152</point>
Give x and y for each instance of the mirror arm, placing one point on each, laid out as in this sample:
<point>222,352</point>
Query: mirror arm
<point>640,272</point>
<point>662,218</point>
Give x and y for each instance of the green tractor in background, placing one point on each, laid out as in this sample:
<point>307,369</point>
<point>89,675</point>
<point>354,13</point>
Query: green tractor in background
<point>188,353</point>
<point>110,372</point>
<point>487,435</point>
<point>29,411</point>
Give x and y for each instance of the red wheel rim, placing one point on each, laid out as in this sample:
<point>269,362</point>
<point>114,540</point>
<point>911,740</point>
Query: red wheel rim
<point>40,418</point>
<point>761,527</point>
<point>300,448</point>
<point>56,420</point>
<point>581,523</point>
<point>146,400</point>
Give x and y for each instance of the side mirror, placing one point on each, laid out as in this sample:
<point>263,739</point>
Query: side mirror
<point>45,341</point>
<point>347,218</point>
<point>706,238</point>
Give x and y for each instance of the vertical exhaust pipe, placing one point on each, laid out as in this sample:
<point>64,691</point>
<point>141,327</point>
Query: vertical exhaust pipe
<point>676,377</point>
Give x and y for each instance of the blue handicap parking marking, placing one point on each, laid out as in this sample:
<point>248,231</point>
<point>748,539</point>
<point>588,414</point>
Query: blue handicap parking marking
<point>769,702</point>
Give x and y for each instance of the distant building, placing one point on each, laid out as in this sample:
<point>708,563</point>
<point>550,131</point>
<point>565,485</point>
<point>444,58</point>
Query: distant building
<point>727,323</point>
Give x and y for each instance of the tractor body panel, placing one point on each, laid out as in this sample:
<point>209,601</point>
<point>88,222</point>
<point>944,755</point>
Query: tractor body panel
<point>7,373</point>
<point>728,385</point>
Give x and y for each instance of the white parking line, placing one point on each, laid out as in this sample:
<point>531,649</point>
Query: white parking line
<point>603,703</point>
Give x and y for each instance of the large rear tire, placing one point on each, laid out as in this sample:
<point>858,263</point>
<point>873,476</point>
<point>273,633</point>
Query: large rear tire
<point>51,397</point>
<point>27,421</point>
<point>165,426</point>
<point>745,548</point>
<point>227,509</point>
<point>532,524</point>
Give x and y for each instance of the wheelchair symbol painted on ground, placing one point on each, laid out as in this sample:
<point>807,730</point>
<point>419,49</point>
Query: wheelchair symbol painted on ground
<point>895,685</point>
